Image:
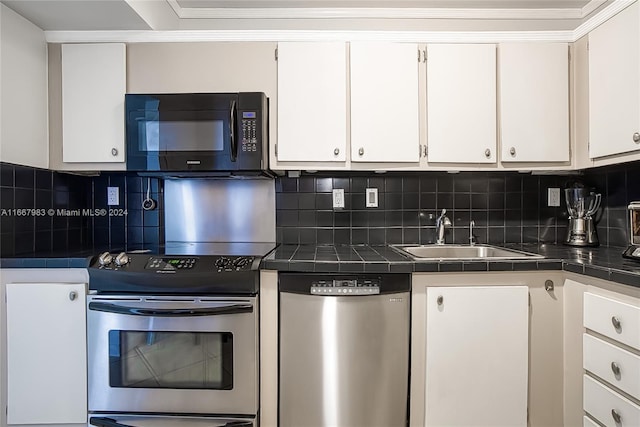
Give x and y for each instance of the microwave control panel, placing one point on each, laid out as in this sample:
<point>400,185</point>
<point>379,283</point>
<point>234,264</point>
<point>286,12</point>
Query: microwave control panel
<point>249,138</point>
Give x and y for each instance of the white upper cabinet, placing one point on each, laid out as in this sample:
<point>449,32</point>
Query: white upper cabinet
<point>614,85</point>
<point>461,103</point>
<point>312,102</point>
<point>534,102</point>
<point>93,88</point>
<point>384,102</point>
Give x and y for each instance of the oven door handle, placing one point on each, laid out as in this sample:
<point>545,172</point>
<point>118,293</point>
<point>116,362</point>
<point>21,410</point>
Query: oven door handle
<point>110,422</point>
<point>177,312</point>
<point>106,422</point>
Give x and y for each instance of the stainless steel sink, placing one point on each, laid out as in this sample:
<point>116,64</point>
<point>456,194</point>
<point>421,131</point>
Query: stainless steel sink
<point>463,252</point>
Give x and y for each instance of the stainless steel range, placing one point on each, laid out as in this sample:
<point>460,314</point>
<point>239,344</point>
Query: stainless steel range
<point>173,331</point>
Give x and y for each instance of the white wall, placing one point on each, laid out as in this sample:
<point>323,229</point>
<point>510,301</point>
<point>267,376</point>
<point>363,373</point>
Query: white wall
<point>24,137</point>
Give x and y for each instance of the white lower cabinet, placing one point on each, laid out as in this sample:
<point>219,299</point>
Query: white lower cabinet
<point>46,353</point>
<point>611,359</point>
<point>476,356</point>
<point>608,407</point>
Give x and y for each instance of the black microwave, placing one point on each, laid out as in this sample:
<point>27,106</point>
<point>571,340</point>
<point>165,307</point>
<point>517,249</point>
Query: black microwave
<point>224,133</point>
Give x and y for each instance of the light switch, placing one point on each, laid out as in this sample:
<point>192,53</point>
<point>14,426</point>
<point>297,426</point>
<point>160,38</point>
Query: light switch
<point>372,197</point>
<point>338,198</point>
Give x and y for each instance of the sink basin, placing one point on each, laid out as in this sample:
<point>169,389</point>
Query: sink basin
<point>463,252</point>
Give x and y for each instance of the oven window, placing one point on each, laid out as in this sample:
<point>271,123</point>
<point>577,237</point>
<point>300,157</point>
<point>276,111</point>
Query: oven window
<point>176,360</point>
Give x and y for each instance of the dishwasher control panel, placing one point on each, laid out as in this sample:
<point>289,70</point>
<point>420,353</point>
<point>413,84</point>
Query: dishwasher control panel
<point>346,287</point>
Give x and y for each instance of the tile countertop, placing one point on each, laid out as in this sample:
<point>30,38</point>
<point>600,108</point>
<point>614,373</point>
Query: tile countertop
<point>603,263</point>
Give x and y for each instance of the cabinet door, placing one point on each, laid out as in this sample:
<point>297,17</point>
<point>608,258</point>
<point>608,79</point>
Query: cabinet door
<point>614,85</point>
<point>534,102</point>
<point>312,102</point>
<point>461,103</point>
<point>477,356</point>
<point>46,353</point>
<point>384,102</point>
<point>93,88</point>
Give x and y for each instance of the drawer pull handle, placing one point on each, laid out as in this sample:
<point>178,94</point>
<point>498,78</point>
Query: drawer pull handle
<point>616,416</point>
<point>616,323</point>
<point>73,295</point>
<point>440,300</point>
<point>615,368</point>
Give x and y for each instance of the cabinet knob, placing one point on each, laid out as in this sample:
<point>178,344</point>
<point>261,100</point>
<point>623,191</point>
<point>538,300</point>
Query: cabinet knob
<point>615,368</point>
<point>512,151</point>
<point>114,152</point>
<point>361,151</point>
<point>336,151</point>
<point>487,153</point>
<point>636,137</point>
<point>440,300</point>
<point>73,295</point>
<point>616,323</point>
<point>616,416</point>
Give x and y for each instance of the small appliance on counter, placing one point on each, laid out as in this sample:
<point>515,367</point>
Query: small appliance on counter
<point>633,251</point>
<point>582,205</point>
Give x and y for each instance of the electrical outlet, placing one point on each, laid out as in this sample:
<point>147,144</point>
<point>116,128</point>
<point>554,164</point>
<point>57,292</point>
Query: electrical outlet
<point>372,197</point>
<point>553,197</point>
<point>113,196</point>
<point>338,198</point>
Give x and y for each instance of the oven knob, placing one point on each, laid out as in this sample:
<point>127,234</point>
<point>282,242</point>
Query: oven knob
<point>240,262</point>
<point>105,258</point>
<point>222,262</point>
<point>122,259</point>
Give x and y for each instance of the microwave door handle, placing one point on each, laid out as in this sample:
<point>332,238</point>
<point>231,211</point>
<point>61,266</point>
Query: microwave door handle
<point>232,131</point>
<point>105,422</point>
<point>179,312</point>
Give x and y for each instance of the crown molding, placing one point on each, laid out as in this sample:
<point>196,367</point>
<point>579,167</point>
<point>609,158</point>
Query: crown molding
<point>377,13</point>
<point>382,12</point>
<point>149,36</point>
<point>296,35</point>
<point>605,14</point>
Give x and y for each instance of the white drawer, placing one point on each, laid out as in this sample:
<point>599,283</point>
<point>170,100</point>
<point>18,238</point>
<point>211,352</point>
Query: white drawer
<point>603,314</point>
<point>600,402</point>
<point>588,422</point>
<point>600,357</point>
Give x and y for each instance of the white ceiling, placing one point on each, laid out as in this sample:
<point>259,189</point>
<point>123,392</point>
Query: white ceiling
<point>371,15</point>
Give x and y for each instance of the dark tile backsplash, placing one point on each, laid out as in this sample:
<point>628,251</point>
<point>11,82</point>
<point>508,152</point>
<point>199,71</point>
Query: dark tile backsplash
<point>44,211</point>
<point>507,207</point>
<point>619,185</point>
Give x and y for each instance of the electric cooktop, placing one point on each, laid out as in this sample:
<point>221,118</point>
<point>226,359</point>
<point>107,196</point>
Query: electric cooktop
<point>180,268</point>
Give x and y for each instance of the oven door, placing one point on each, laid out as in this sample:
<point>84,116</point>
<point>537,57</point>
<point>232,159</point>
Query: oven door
<point>174,355</point>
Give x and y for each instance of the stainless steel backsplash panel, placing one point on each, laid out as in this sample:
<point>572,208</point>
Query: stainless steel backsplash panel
<point>220,210</point>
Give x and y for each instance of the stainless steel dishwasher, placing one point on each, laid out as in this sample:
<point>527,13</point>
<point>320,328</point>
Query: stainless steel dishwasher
<point>344,350</point>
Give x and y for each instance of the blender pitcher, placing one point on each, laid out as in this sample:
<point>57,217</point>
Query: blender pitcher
<point>582,205</point>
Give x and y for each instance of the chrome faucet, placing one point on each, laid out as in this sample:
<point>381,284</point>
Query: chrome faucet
<point>441,223</point>
<point>472,239</point>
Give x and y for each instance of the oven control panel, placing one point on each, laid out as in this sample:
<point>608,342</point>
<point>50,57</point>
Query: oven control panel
<point>171,264</point>
<point>144,263</point>
<point>344,287</point>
